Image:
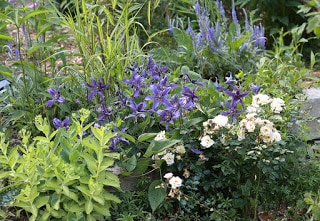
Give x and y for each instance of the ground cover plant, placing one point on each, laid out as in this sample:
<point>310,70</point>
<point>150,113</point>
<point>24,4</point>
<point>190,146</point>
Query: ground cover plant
<point>204,128</point>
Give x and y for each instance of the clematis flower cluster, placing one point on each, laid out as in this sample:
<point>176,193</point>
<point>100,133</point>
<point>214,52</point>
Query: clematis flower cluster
<point>151,92</point>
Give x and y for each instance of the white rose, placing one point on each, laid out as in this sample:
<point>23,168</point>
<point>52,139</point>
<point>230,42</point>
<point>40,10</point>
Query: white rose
<point>161,136</point>
<point>260,99</point>
<point>180,149</point>
<point>220,120</point>
<point>168,175</point>
<point>169,158</point>
<point>175,182</point>
<point>206,141</point>
<point>250,126</point>
<point>241,134</point>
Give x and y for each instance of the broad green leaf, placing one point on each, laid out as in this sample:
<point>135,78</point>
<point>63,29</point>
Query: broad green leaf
<point>99,199</point>
<point>70,194</point>
<point>316,31</point>
<point>103,210</point>
<point>91,163</point>
<point>88,206</point>
<point>193,121</point>
<point>41,201</point>
<point>313,23</point>
<point>107,162</point>
<point>142,166</point>
<point>73,207</point>
<point>111,180</point>
<point>127,136</point>
<point>5,71</point>
<point>146,136</point>
<point>312,59</point>
<point>13,157</point>
<point>156,194</point>
<point>91,143</point>
<point>84,189</point>
<point>55,201</point>
<point>157,146</point>
<point>131,163</point>
<point>112,155</point>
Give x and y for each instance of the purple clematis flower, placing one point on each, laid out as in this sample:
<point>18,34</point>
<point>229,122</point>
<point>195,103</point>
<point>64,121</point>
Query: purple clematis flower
<point>175,104</point>
<point>218,87</point>
<point>230,80</point>
<point>135,82</point>
<point>232,111</point>
<point>237,96</point>
<point>96,88</point>
<point>159,95</point>
<point>137,109</point>
<point>61,123</point>
<point>104,112</point>
<point>189,97</point>
<point>55,93</point>
<point>163,84</point>
<point>155,70</point>
<point>167,117</point>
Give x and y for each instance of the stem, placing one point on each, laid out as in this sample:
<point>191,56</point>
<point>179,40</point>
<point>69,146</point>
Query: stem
<point>257,196</point>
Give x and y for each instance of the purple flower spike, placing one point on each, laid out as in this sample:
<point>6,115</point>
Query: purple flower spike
<point>61,123</point>
<point>221,9</point>
<point>96,88</point>
<point>55,93</point>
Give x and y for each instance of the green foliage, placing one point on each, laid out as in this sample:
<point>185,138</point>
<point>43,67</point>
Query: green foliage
<point>156,194</point>
<point>63,173</point>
